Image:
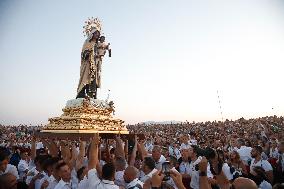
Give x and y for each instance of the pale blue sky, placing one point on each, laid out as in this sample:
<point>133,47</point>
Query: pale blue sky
<point>169,58</point>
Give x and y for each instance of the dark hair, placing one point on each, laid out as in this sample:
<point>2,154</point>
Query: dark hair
<point>80,172</point>
<point>108,171</point>
<point>49,163</point>
<point>241,141</point>
<point>60,165</point>
<point>258,149</point>
<point>149,162</point>
<point>3,156</point>
<point>278,186</point>
<point>40,159</point>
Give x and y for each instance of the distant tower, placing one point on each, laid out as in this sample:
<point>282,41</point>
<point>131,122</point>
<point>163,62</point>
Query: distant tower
<point>220,107</point>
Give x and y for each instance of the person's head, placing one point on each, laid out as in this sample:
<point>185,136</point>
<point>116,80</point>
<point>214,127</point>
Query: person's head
<point>8,181</point>
<point>156,153</point>
<point>64,171</point>
<point>24,154</point>
<point>244,183</point>
<point>108,171</point>
<point>96,34</point>
<point>39,161</point>
<point>258,175</point>
<point>184,154</point>
<point>273,143</point>
<point>120,163</point>
<point>55,172</point>
<point>281,147</point>
<point>278,186</point>
<point>4,160</point>
<point>48,165</point>
<point>81,173</point>
<point>102,39</point>
<point>41,152</point>
<point>148,165</point>
<point>104,155</point>
<point>130,174</point>
<point>256,151</point>
<point>192,151</point>
<point>240,142</point>
<point>233,142</point>
<point>248,143</point>
<point>234,156</point>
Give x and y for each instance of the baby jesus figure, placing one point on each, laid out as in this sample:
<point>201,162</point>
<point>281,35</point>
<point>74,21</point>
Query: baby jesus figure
<point>102,47</point>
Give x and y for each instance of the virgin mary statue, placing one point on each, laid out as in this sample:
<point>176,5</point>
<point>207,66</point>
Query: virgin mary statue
<point>93,51</point>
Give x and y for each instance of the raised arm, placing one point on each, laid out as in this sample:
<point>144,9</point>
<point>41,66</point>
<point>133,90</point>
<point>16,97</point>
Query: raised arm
<point>142,150</point>
<point>74,156</point>
<point>119,151</point>
<point>93,152</point>
<point>133,153</point>
<point>65,151</point>
<point>33,148</point>
<point>81,155</point>
<point>203,181</point>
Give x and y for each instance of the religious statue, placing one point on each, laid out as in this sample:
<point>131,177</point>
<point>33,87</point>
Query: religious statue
<point>93,51</point>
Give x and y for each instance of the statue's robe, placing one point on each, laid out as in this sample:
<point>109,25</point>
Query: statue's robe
<point>90,67</point>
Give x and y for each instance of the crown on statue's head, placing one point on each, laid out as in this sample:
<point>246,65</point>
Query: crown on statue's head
<point>92,25</point>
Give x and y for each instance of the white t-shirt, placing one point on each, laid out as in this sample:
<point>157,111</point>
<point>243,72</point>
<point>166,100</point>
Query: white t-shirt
<point>148,176</point>
<point>11,169</point>
<point>265,185</point>
<point>119,180</point>
<point>23,166</point>
<point>184,168</point>
<point>262,163</point>
<point>245,153</point>
<point>194,183</point>
<point>95,182</point>
<point>160,162</point>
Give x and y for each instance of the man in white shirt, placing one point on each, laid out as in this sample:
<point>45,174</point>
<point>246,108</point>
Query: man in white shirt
<point>257,161</point>
<point>131,178</point>
<point>184,165</point>
<point>5,167</point>
<point>176,151</point>
<point>149,145</point>
<point>194,169</point>
<point>23,166</point>
<point>148,167</point>
<point>120,165</point>
<point>244,151</point>
<point>158,157</point>
<point>108,170</point>
<point>49,180</point>
<point>67,181</point>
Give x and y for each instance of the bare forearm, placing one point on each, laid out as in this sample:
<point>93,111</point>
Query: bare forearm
<point>119,151</point>
<point>203,182</point>
<point>93,159</point>
<point>133,156</point>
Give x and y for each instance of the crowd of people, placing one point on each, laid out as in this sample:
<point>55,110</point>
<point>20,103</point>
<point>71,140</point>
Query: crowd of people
<point>245,153</point>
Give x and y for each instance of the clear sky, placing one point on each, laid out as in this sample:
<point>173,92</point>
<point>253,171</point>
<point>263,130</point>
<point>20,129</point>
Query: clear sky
<point>169,58</point>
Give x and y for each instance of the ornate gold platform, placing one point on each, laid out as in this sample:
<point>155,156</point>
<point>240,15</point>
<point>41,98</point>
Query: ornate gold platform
<point>84,117</point>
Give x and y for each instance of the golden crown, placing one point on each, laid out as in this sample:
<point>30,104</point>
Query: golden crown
<point>91,25</point>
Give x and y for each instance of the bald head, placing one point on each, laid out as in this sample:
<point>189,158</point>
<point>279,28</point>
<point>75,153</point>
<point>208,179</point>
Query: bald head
<point>244,183</point>
<point>8,180</point>
<point>130,174</point>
